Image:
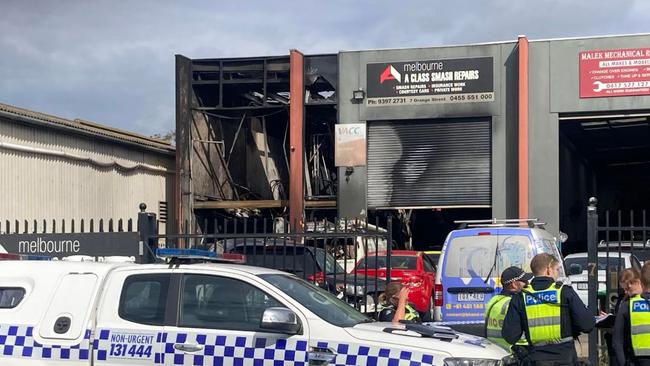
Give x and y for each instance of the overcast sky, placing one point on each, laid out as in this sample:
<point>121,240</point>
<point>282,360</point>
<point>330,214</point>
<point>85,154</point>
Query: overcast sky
<point>112,62</point>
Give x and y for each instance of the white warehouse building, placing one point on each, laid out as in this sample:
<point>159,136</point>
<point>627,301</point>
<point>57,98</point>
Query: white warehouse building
<point>56,170</point>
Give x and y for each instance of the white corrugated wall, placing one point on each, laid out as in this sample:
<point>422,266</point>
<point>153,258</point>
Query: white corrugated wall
<point>39,187</point>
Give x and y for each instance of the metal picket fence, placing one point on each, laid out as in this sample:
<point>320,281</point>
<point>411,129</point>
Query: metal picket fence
<point>616,240</point>
<point>350,258</point>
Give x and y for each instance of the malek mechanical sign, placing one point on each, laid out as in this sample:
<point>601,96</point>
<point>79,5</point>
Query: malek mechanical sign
<point>465,80</point>
<point>614,73</point>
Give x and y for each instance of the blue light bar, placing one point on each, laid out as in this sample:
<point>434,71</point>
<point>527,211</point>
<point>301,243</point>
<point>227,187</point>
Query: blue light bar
<point>200,254</point>
<point>24,257</point>
<point>172,252</point>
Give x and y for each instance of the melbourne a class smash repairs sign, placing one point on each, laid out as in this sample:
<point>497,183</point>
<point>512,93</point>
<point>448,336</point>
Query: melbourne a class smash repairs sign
<point>615,73</point>
<point>464,80</point>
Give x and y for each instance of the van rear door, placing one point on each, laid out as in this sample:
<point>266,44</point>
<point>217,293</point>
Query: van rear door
<point>468,259</point>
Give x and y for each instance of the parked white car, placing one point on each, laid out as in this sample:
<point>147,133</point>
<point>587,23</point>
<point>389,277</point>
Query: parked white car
<point>576,266</point>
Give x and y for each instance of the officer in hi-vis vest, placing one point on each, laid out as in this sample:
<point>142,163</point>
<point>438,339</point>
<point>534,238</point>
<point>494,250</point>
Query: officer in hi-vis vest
<point>549,314</point>
<point>632,325</point>
<point>513,280</point>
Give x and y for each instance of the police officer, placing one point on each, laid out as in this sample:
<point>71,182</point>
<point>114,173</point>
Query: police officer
<point>629,281</point>
<point>632,325</point>
<point>549,314</point>
<point>396,303</point>
<point>513,280</point>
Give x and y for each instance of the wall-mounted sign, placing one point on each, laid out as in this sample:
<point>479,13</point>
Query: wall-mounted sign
<point>463,80</point>
<point>614,73</point>
<point>62,245</point>
<point>350,147</point>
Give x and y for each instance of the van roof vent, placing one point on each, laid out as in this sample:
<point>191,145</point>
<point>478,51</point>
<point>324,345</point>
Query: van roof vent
<point>532,223</point>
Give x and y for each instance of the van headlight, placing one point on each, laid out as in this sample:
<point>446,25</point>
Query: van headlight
<point>461,361</point>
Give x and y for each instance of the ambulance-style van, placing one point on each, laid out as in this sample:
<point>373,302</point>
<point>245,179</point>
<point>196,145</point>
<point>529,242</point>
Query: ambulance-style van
<point>88,313</point>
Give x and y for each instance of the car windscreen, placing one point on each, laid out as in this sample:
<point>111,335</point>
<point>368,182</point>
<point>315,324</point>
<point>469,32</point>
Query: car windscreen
<point>320,302</point>
<point>327,261</point>
<point>614,263</point>
<point>396,262</point>
<point>433,258</point>
<point>643,254</point>
<point>473,256</point>
<point>289,258</point>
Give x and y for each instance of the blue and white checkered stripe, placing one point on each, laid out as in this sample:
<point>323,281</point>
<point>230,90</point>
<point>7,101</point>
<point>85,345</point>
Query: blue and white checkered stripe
<point>260,351</point>
<point>18,341</point>
<point>358,354</point>
<point>232,350</point>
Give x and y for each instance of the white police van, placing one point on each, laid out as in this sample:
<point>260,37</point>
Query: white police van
<point>86,313</point>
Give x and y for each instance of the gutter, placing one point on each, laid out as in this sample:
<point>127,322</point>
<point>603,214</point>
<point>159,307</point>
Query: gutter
<point>74,130</point>
<point>89,160</point>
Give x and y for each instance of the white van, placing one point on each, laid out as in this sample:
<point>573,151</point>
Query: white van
<point>470,267</point>
<point>84,313</point>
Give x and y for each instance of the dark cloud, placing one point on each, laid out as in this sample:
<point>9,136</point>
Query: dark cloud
<point>113,61</point>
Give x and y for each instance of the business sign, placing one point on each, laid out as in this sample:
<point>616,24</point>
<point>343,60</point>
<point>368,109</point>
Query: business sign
<point>463,80</point>
<point>62,245</point>
<point>614,73</point>
<point>350,147</point>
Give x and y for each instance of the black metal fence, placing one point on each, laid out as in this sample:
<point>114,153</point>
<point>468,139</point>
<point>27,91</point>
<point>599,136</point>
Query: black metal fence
<point>63,226</point>
<point>350,258</point>
<point>616,240</point>
<point>64,238</point>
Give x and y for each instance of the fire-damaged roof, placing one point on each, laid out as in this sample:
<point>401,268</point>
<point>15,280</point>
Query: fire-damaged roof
<point>85,127</point>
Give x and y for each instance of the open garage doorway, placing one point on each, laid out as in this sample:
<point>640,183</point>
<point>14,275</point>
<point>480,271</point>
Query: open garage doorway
<point>606,156</point>
<point>427,228</point>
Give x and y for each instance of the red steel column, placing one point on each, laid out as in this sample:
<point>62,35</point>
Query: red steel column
<point>296,132</point>
<point>523,127</point>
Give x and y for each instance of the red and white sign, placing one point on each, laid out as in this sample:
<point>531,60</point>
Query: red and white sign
<point>614,73</point>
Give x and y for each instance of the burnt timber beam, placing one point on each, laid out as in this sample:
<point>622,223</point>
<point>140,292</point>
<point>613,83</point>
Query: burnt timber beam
<point>296,139</point>
<point>252,204</point>
<point>183,186</point>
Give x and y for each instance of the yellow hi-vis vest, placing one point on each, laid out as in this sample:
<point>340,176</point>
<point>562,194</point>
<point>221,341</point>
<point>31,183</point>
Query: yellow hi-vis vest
<point>543,314</point>
<point>640,325</point>
<point>495,314</point>
<point>410,313</point>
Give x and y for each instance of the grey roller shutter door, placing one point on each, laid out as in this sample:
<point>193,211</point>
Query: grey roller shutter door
<point>429,163</point>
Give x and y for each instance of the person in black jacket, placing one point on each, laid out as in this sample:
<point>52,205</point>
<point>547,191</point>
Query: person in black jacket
<point>617,343</point>
<point>621,338</point>
<point>540,302</point>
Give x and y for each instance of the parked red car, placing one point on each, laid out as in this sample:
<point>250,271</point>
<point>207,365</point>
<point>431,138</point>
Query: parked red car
<point>409,267</point>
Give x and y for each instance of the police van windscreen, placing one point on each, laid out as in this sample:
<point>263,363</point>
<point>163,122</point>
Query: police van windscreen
<point>320,302</point>
<point>473,256</point>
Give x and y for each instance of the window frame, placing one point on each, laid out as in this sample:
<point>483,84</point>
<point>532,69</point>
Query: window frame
<point>181,292</point>
<point>169,307</point>
<point>20,301</point>
<point>427,261</point>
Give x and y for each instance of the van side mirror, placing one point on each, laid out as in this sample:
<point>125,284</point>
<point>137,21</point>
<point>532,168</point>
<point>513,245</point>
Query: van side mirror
<point>575,269</point>
<point>280,320</point>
